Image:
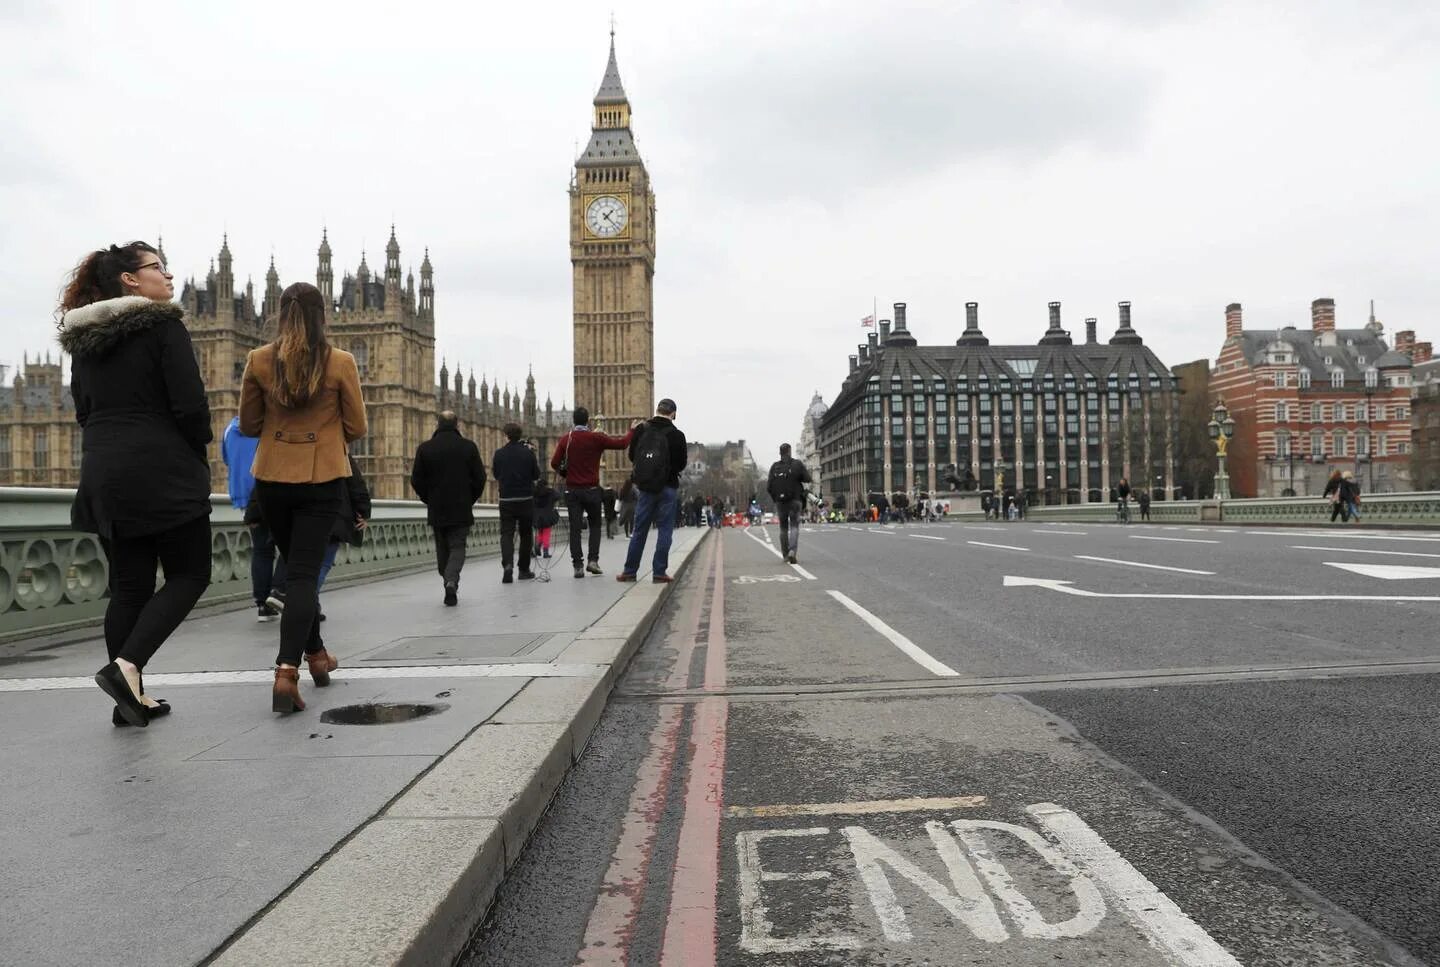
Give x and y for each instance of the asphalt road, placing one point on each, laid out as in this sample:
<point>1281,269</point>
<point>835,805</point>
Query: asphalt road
<point>906,751</point>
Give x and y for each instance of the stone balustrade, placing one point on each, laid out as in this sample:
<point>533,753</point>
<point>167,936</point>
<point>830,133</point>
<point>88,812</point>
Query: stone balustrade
<point>53,578</point>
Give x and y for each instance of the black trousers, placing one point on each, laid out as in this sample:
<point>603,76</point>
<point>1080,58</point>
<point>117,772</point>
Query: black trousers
<point>584,504</point>
<point>789,513</point>
<point>450,552</point>
<point>517,515</point>
<point>300,517</point>
<point>138,618</point>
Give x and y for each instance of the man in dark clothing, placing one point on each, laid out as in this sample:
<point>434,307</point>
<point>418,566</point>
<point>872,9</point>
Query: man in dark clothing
<point>516,471</point>
<point>449,477</point>
<point>608,499</point>
<point>786,485</point>
<point>580,451</point>
<point>658,453</point>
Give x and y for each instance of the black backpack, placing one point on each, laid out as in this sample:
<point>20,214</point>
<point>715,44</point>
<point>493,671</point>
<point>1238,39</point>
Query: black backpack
<point>652,460</point>
<point>783,480</point>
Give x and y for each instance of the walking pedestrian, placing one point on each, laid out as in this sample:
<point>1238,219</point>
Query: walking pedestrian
<point>267,570</point>
<point>577,459</point>
<point>627,507</point>
<point>301,396</point>
<point>786,485</point>
<point>144,477</point>
<point>1143,499</point>
<point>1351,495</point>
<point>516,472</point>
<point>546,517</point>
<point>449,477</point>
<point>1335,491</point>
<point>658,454</point>
<point>608,500</point>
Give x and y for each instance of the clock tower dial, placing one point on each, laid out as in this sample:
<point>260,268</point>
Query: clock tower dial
<point>606,217</point>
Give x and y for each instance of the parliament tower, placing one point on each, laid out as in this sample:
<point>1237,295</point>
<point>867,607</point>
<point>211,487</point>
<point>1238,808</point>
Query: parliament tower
<point>612,250</point>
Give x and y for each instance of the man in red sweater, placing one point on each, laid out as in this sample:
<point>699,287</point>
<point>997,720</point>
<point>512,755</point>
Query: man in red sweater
<point>580,451</point>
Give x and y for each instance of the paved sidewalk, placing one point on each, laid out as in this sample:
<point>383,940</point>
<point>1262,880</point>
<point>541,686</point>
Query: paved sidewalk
<point>156,846</point>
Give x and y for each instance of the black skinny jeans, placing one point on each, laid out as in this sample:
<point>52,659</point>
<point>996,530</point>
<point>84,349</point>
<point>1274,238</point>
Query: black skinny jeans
<point>300,517</point>
<point>517,514</point>
<point>138,618</point>
<point>584,504</point>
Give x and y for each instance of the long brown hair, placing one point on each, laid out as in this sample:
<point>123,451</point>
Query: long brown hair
<point>97,276</point>
<point>301,350</point>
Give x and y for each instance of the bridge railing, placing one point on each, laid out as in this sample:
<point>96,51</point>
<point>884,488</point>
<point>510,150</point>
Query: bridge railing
<point>54,579</point>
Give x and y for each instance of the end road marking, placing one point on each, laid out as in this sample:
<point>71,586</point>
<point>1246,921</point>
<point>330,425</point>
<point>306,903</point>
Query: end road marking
<point>1153,567</point>
<point>1003,547</point>
<point>1176,540</point>
<point>914,651</point>
<point>866,808</point>
<point>1388,572</point>
<point>1064,587</point>
<point>1360,550</point>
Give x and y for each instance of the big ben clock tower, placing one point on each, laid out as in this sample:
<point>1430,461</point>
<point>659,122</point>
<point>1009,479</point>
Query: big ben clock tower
<point>612,251</point>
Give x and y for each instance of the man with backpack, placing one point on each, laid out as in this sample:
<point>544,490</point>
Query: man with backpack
<point>786,486</point>
<point>658,453</point>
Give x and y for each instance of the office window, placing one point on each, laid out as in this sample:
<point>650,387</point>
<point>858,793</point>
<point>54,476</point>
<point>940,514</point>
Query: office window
<point>1372,377</point>
<point>1337,378</point>
<point>1279,379</point>
<point>1380,447</point>
<point>1340,413</point>
<point>1282,443</point>
<point>1339,443</point>
<point>1317,443</point>
<point>1362,412</point>
<point>1362,443</point>
<point>1304,378</point>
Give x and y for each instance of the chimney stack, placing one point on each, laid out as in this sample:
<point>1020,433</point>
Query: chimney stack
<point>1234,323</point>
<point>1322,315</point>
<point>884,331</point>
<point>1090,331</point>
<point>873,341</point>
<point>1126,334</point>
<point>1055,336</point>
<point>854,362</point>
<point>1405,342</point>
<point>1054,315</point>
<point>864,353</point>
<point>1422,354</point>
<point>901,335</point>
<point>972,336</point>
<point>900,316</point>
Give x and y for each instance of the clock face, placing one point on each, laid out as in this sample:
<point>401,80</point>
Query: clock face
<point>606,216</point>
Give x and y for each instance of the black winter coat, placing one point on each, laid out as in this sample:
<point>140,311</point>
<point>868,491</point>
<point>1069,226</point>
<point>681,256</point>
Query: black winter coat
<point>139,397</point>
<point>516,471</point>
<point>449,477</point>
<point>354,499</point>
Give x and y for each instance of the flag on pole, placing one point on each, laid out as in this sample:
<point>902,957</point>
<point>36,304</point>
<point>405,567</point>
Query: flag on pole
<point>867,323</point>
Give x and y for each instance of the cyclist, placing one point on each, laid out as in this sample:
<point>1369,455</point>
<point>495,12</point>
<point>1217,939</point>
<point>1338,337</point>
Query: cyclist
<point>1122,506</point>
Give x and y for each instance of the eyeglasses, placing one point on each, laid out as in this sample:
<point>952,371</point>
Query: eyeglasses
<point>154,265</point>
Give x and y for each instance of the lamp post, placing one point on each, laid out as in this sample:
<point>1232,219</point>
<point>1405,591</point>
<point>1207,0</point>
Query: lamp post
<point>1048,480</point>
<point>1221,428</point>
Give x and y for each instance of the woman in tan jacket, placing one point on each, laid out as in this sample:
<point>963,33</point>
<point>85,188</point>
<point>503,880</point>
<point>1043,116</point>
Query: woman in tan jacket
<point>301,397</point>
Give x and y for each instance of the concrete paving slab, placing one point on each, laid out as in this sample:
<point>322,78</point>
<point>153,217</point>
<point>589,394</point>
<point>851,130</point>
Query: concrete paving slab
<point>576,702</point>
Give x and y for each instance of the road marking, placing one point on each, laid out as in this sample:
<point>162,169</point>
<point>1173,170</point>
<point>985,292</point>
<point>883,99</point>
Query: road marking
<point>767,579</point>
<point>765,544</point>
<point>804,573</point>
<point>1360,550</point>
<point>1343,535</point>
<point>1164,924</point>
<point>1003,547</point>
<point>914,651</point>
<point>1031,923</point>
<point>1153,567</point>
<point>757,933</point>
<point>867,808</point>
<point>982,527</point>
<point>179,679</point>
<point>1064,587</point>
<point>1175,540</point>
<point>1066,533</point>
<point>1388,572</point>
<point>926,537</point>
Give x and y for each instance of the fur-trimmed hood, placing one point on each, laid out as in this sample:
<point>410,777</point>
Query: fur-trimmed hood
<point>96,329</point>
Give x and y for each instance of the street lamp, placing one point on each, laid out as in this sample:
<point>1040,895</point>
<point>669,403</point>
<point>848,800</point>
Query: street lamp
<point>1222,428</point>
<point>1048,481</point>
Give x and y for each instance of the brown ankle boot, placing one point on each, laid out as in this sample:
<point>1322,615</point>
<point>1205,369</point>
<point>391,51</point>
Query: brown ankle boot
<point>286,697</point>
<point>321,663</point>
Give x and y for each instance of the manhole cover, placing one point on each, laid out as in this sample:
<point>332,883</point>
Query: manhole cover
<point>379,713</point>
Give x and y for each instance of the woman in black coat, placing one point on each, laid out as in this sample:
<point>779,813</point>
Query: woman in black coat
<point>144,476</point>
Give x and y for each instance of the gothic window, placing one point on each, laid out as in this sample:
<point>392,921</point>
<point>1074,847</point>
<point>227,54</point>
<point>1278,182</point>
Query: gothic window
<point>361,351</point>
<point>4,448</point>
<point>42,448</point>
<point>76,446</point>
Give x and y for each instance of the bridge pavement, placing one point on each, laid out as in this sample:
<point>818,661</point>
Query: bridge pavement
<point>157,846</point>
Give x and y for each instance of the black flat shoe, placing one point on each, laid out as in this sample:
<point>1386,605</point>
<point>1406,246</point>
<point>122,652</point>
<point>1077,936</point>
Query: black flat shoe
<point>151,712</point>
<point>113,682</point>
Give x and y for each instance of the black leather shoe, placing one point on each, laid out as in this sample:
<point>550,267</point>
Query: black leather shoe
<point>113,682</point>
<point>527,575</point>
<point>151,712</point>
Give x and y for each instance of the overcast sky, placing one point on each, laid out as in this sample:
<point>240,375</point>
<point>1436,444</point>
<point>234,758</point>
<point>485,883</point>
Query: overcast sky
<point>807,159</point>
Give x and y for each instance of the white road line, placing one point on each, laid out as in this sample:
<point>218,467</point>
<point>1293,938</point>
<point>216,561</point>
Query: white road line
<point>1360,550</point>
<point>1164,924</point>
<point>803,573</point>
<point>1066,533</point>
<point>176,679</point>
<point>1003,547</point>
<point>914,651</point>
<point>1065,587</point>
<point>982,527</point>
<point>926,537</point>
<point>868,808</point>
<point>769,547</point>
<point>1388,572</point>
<point>1174,540</point>
<point>1153,567</point>
<point>1342,535</point>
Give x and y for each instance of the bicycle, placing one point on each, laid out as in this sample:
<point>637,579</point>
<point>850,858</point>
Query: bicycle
<point>1122,511</point>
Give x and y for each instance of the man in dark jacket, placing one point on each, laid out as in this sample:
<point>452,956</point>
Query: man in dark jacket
<point>610,500</point>
<point>786,485</point>
<point>658,453</point>
<point>516,471</point>
<point>449,477</point>
<point>579,452</point>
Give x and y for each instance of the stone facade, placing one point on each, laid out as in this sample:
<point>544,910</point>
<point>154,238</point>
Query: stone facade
<point>1309,401</point>
<point>612,252</point>
<point>807,448</point>
<point>1425,420</point>
<point>387,324</point>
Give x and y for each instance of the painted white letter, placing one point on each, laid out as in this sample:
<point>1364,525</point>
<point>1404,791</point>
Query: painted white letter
<point>755,927</point>
<point>1027,918</point>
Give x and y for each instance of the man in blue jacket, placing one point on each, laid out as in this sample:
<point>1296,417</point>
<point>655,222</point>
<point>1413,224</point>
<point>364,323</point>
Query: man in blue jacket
<point>266,571</point>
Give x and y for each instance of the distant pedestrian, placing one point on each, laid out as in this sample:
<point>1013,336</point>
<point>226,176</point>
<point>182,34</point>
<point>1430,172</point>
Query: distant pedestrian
<point>267,569</point>
<point>144,477</point>
<point>516,473</point>
<point>301,396</point>
<point>1351,495</point>
<point>786,486</point>
<point>608,500</point>
<point>449,477</point>
<point>627,506</point>
<point>546,517</point>
<point>577,459</point>
<point>1335,492</point>
<point>657,455</point>
<point>1143,499</point>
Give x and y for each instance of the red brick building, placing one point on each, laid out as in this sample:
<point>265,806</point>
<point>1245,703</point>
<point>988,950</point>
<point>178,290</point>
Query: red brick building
<point>1309,401</point>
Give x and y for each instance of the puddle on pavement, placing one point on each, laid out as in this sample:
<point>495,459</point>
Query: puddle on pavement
<point>380,713</point>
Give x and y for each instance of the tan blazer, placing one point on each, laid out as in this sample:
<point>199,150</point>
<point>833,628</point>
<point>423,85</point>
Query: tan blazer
<point>305,445</point>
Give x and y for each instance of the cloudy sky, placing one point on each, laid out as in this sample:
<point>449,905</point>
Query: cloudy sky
<point>808,159</point>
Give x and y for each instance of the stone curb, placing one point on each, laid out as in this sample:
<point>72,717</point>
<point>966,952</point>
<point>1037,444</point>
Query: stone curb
<point>411,886</point>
